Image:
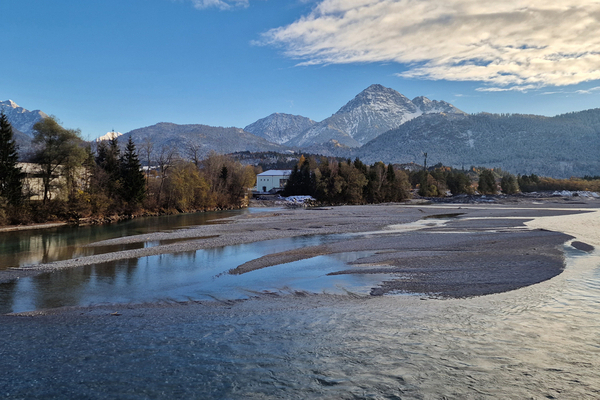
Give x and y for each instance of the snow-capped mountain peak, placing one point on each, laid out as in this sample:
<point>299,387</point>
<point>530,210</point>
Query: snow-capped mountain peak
<point>20,118</point>
<point>379,98</point>
<point>375,110</point>
<point>9,103</point>
<point>109,136</point>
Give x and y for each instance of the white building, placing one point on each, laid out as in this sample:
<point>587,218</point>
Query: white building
<point>33,183</point>
<point>272,180</point>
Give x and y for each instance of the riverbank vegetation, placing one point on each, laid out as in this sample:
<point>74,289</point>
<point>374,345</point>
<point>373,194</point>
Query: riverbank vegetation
<point>80,182</point>
<point>440,181</point>
<point>347,182</point>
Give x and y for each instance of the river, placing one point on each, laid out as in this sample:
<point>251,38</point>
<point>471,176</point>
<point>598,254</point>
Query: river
<point>538,342</point>
<point>37,246</point>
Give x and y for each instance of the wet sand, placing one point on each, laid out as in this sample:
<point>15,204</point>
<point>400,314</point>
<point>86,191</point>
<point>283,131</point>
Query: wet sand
<point>444,250</point>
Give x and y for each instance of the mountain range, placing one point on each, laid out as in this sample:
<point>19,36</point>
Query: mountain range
<point>562,146</point>
<point>380,124</point>
<point>201,139</point>
<point>373,111</point>
<point>21,119</point>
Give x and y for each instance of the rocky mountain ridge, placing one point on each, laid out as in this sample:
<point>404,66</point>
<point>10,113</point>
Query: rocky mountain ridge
<point>200,139</point>
<point>372,112</point>
<point>20,118</point>
<point>280,128</point>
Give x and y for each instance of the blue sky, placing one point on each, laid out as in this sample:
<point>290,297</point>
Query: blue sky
<point>126,64</point>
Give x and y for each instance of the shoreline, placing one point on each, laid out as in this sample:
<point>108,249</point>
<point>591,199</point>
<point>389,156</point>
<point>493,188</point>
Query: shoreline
<point>459,199</point>
<point>46,225</point>
<point>486,249</point>
<point>112,219</point>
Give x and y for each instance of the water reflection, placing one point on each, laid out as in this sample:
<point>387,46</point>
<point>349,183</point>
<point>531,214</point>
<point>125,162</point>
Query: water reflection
<point>538,342</point>
<point>30,247</point>
<point>200,274</point>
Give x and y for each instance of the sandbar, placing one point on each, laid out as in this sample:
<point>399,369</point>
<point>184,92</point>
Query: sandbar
<point>441,250</point>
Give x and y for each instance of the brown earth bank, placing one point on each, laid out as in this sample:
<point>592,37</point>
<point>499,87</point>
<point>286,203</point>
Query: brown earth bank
<point>106,219</point>
<point>448,250</point>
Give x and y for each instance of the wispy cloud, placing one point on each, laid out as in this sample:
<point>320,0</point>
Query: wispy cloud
<point>221,4</point>
<point>592,90</point>
<point>508,45</point>
<point>588,91</point>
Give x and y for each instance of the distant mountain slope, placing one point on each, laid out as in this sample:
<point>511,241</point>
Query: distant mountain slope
<point>375,110</point>
<point>23,141</point>
<point>204,138</point>
<point>20,118</point>
<point>279,128</point>
<point>562,146</point>
<point>434,107</point>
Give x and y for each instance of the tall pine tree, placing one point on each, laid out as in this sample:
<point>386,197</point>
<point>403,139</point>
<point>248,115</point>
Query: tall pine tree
<point>10,174</point>
<point>133,189</point>
<point>108,159</point>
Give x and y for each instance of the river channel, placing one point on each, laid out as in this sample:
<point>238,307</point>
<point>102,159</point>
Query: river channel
<point>537,342</point>
<point>38,246</point>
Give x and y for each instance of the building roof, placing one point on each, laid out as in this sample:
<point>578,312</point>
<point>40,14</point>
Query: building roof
<point>276,172</point>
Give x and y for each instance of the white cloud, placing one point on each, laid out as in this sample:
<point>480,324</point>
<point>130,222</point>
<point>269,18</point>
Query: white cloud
<point>588,91</point>
<point>509,45</point>
<point>221,4</point>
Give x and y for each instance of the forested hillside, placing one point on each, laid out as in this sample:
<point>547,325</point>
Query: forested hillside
<point>562,146</point>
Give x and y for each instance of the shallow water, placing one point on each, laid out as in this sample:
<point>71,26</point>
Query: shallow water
<point>193,275</point>
<point>539,342</point>
<point>37,246</point>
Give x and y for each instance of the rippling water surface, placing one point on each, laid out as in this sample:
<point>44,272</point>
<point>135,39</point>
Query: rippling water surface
<point>539,342</point>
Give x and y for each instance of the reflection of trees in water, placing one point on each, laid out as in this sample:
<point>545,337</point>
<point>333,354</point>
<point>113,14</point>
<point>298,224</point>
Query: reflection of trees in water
<point>10,247</point>
<point>7,294</point>
<point>30,247</point>
<point>189,256</point>
<point>129,269</point>
<point>41,246</point>
<point>68,286</point>
<point>59,288</point>
<point>116,270</point>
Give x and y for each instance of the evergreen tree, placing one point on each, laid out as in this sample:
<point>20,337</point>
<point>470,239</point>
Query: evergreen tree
<point>458,183</point>
<point>10,174</point>
<point>487,182</point>
<point>133,189</point>
<point>394,188</point>
<point>301,181</point>
<point>509,184</point>
<point>528,183</point>
<point>108,159</point>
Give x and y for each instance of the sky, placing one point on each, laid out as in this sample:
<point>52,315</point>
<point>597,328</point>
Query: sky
<point>102,65</point>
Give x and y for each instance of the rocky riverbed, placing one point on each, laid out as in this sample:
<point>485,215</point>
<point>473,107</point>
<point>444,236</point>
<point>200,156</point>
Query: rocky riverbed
<point>448,250</point>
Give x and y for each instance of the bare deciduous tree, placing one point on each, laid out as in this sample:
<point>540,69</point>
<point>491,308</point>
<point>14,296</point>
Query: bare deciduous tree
<point>164,160</point>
